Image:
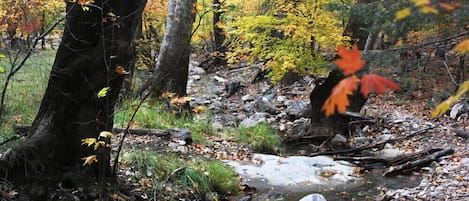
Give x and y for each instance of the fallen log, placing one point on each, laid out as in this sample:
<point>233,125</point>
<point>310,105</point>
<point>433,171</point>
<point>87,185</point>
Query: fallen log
<point>22,130</point>
<point>143,131</point>
<point>373,145</point>
<point>370,162</point>
<point>416,164</point>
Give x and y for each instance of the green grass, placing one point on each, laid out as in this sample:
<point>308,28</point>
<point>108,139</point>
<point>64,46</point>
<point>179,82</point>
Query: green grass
<point>262,138</point>
<point>156,115</point>
<point>197,175</point>
<point>24,92</point>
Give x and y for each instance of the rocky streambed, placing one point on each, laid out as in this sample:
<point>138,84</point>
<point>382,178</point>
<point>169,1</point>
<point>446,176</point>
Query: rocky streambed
<point>234,100</point>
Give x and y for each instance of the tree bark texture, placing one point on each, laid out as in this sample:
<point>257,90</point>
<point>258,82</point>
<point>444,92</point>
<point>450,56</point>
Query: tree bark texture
<point>94,43</point>
<point>322,126</point>
<point>218,34</point>
<point>172,67</point>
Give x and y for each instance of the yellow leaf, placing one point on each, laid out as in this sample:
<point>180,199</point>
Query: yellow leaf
<point>180,100</point>
<point>420,2</point>
<point>89,160</point>
<point>199,109</point>
<point>402,14</point>
<point>105,134</point>
<point>88,141</point>
<point>441,108</point>
<point>428,9</point>
<point>462,47</point>
<point>167,95</point>
<point>103,92</point>
<point>98,144</point>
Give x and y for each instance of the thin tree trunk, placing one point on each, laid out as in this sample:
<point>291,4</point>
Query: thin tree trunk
<point>93,45</point>
<point>172,67</point>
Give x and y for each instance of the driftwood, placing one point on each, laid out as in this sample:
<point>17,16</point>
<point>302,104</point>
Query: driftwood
<point>373,145</point>
<point>415,164</point>
<point>144,131</point>
<point>368,162</point>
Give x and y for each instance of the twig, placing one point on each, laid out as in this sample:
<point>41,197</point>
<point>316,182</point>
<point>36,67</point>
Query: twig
<point>432,42</point>
<point>445,62</point>
<point>373,145</point>
<point>417,163</point>
<point>14,69</point>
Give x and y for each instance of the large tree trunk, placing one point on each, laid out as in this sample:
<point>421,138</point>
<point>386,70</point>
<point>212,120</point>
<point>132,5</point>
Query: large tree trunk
<point>172,67</point>
<point>323,127</point>
<point>94,43</point>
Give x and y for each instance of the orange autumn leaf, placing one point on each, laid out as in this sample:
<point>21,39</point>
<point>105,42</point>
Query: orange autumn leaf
<point>349,61</point>
<point>338,97</point>
<point>376,83</point>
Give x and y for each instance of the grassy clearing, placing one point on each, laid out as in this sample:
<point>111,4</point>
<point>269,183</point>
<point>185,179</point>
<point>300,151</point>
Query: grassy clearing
<point>24,92</point>
<point>155,115</point>
<point>262,138</point>
<point>169,176</point>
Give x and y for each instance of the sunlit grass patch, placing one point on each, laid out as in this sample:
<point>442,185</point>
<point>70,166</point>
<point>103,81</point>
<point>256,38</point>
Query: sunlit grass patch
<point>262,138</point>
<point>156,115</point>
<point>168,174</point>
<point>24,92</point>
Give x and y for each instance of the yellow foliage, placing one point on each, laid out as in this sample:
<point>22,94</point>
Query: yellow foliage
<point>89,160</point>
<point>105,134</point>
<point>463,47</point>
<point>402,14</point>
<point>88,141</point>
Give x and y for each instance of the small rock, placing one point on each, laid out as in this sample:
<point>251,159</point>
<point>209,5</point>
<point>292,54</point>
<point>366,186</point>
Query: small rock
<point>217,126</point>
<point>313,197</point>
<point>196,77</point>
<point>297,109</point>
<point>219,79</point>
<point>338,140</point>
<point>264,105</point>
<point>385,137</point>
<point>247,97</point>
<point>197,70</point>
<point>181,134</point>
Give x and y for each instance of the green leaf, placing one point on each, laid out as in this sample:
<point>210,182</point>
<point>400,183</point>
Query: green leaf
<point>2,56</point>
<point>103,92</point>
<point>2,70</point>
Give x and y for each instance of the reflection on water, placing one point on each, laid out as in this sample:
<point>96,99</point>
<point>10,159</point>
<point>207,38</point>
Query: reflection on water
<point>372,187</point>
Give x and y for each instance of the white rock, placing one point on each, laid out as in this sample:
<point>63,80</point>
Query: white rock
<point>295,172</point>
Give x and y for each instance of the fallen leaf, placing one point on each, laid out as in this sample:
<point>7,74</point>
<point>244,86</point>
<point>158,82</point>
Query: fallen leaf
<point>402,14</point>
<point>463,47</point>
<point>420,2</point>
<point>167,95</point>
<point>199,109</point>
<point>428,9</point>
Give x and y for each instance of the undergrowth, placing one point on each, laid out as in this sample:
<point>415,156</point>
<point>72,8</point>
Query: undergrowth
<point>169,176</point>
<point>24,93</point>
<point>262,138</point>
<point>156,115</point>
